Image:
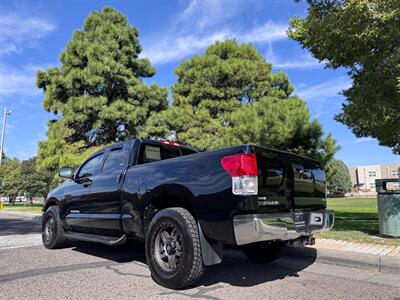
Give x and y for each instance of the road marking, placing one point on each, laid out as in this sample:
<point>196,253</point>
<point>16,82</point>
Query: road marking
<point>20,240</point>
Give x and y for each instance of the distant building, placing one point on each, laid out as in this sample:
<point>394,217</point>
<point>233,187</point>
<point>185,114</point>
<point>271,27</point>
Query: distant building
<point>363,177</point>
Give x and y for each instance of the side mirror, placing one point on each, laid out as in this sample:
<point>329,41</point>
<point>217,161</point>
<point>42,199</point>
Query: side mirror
<point>66,172</point>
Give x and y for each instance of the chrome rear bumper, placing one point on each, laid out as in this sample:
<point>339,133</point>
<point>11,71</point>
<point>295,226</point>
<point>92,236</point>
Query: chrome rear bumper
<point>280,226</point>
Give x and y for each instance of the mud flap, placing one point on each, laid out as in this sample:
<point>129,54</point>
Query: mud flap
<point>211,252</point>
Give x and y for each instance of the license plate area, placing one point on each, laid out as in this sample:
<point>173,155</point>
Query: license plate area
<point>299,220</point>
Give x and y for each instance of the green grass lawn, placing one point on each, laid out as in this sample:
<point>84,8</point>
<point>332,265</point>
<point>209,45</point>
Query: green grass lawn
<point>25,207</point>
<point>356,220</point>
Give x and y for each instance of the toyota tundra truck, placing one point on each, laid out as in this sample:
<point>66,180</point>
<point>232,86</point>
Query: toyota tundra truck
<point>186,205</point>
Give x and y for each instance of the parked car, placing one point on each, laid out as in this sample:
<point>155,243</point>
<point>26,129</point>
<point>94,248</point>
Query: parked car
<point>4,199</point>
<point>21,199</point>
<point>186,205</point>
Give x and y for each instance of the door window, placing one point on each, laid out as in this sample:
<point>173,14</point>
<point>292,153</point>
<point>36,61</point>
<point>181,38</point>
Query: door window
<point>116,160</point>
<point>91,167</point>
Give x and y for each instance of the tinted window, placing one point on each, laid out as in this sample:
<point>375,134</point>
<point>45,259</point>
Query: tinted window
<point>150,153</point>
<point>116,160</point>
<point>91,167</point>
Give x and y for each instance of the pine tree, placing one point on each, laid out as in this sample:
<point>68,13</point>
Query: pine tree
<point>229,96</point>
<point>97,94</point>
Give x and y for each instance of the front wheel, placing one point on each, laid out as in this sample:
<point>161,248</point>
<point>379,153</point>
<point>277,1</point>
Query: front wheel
<point>263,251</point>
<point>52,231</point>
<point>173,248</point>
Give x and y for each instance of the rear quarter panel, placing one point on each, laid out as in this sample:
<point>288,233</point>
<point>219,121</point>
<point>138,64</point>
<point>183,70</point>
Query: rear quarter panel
<point>200,178</point>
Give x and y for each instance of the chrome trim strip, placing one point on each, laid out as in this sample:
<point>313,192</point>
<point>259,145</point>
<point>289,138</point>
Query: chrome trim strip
<point>280,226</point>
<point>95,216</point>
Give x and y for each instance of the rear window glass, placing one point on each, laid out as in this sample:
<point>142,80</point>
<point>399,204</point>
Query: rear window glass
<point>151,153</point>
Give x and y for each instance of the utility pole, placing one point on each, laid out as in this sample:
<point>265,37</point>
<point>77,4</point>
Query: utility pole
<point>6,113</point>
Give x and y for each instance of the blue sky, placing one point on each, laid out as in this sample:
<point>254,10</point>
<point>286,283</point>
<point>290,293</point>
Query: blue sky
<point>34,33</point>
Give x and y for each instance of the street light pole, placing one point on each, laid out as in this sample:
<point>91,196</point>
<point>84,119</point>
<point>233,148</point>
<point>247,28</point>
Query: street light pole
<point>6,113</point>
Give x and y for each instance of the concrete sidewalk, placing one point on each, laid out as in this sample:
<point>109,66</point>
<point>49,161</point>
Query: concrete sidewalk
<point>23,215</point>
<point>366,248</point>
<point>375,257</point>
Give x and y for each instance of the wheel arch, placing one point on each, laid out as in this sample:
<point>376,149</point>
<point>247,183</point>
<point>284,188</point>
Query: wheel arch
<point>166,196</point>
<point>179,196</point>
<point>50,202</point>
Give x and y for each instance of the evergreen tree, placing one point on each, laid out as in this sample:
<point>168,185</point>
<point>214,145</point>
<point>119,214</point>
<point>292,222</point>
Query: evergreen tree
<point>10,172</point>
<point>19,178</point>
<point>32,182</point>
<point>97,94</point>
<point>338,181</point>
<point>229,96</point>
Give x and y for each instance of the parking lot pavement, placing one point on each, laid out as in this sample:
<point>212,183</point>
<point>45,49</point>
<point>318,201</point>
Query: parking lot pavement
<point>18,231</point>
<point>11,224</point>
<point>92,271</point>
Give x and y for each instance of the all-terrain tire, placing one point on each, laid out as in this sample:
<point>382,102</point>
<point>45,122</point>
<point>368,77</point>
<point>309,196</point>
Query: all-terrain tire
<point>189,268</point>
<point>52,232</point>
<point>263,252</point>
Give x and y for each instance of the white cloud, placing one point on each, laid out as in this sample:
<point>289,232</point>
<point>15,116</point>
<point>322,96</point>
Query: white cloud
<point>182,46</point>
<point>363,140</point>
<point>204,14</point>
<point>201,24</point>
<point>18,81</point>
<point>302,61</point>
<point>266,33</point>
<point>18,32</point>
<point>164,51</point>
<point>327,89</point>
<point>321,97</point>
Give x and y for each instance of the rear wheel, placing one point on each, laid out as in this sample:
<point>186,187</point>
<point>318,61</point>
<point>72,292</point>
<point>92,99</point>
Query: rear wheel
<point>263,251</point>
<point>52,231</point>
<point>173,248</point>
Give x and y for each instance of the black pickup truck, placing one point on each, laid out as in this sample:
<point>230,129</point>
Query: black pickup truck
<point>186,204</point>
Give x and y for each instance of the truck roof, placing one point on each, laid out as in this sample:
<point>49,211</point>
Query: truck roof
<point>141,140</point>
<point>159,142</point>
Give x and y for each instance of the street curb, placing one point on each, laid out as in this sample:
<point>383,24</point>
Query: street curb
<point>379,263</point>
<point>33,217</point>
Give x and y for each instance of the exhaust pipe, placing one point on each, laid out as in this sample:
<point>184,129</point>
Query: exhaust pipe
<point>302,241</point>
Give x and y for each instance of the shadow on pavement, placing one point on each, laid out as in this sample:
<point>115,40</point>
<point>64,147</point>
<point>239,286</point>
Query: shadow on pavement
<point>234,270</point>
<point>128,252</point>
<point>13,226</point>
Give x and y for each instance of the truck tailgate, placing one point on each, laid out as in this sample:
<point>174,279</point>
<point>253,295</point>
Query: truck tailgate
<point>309,183</point>
<point>287,181</point>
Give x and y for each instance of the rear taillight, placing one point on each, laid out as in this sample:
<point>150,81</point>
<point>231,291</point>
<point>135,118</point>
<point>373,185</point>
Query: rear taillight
<point>243,169</point>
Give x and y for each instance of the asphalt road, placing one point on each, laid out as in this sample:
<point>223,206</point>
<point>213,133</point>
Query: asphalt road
<point>92,271</point>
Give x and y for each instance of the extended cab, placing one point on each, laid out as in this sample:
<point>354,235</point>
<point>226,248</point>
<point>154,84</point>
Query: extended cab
<point>186,204</point>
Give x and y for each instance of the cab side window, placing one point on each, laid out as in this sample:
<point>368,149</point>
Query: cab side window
<point>116,160</point>
<point>91,167</point>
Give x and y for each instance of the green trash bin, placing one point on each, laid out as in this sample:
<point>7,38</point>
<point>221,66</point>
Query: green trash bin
<point>388,206</point>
